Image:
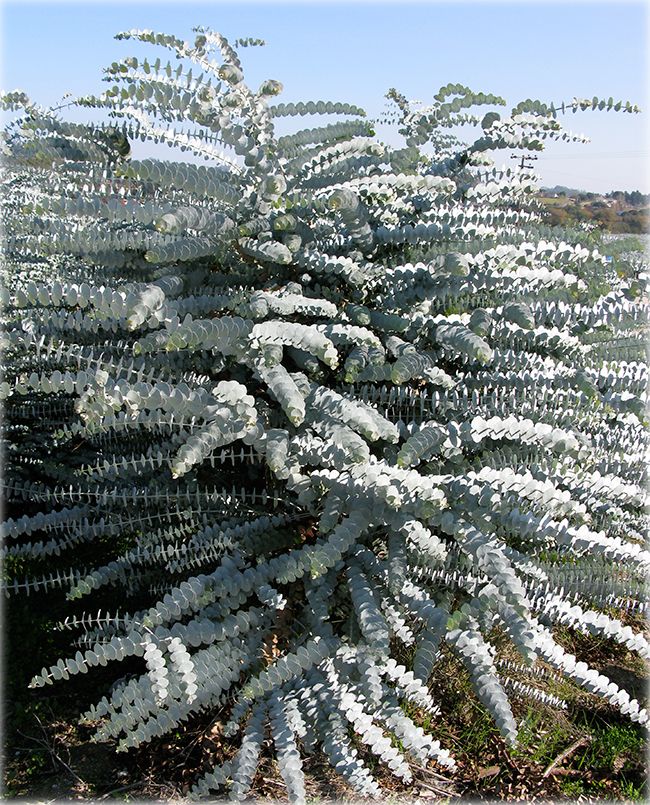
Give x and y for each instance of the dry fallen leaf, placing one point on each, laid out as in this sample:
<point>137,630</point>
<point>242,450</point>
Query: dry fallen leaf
<point>490,771</point>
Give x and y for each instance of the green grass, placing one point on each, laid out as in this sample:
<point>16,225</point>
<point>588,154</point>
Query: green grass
<point>610,744</point>
<point>633,791</point>
<point>543,736</point>
<point>581,788</point>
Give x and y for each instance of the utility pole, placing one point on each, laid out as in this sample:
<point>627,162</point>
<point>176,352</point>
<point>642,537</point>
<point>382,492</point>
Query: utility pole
<point>524,160</point>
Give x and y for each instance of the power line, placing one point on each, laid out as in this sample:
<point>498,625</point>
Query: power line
<point>602,155</point>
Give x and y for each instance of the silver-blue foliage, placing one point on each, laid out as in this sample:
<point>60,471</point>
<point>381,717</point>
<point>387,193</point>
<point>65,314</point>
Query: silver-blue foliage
<point>315,393</point>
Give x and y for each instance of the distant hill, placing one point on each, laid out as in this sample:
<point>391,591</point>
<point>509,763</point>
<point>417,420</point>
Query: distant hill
<point>617,211</point>
<point>561,190</point>
<point>632,198</point>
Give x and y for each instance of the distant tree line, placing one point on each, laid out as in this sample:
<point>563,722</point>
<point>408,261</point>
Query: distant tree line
<point>635,198</point>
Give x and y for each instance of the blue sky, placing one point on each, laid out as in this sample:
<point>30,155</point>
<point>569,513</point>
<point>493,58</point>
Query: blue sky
<point>355,51</point>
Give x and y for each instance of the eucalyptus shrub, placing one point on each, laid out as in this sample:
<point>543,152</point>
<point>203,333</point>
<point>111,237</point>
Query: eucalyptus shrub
<point>335,409</point>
